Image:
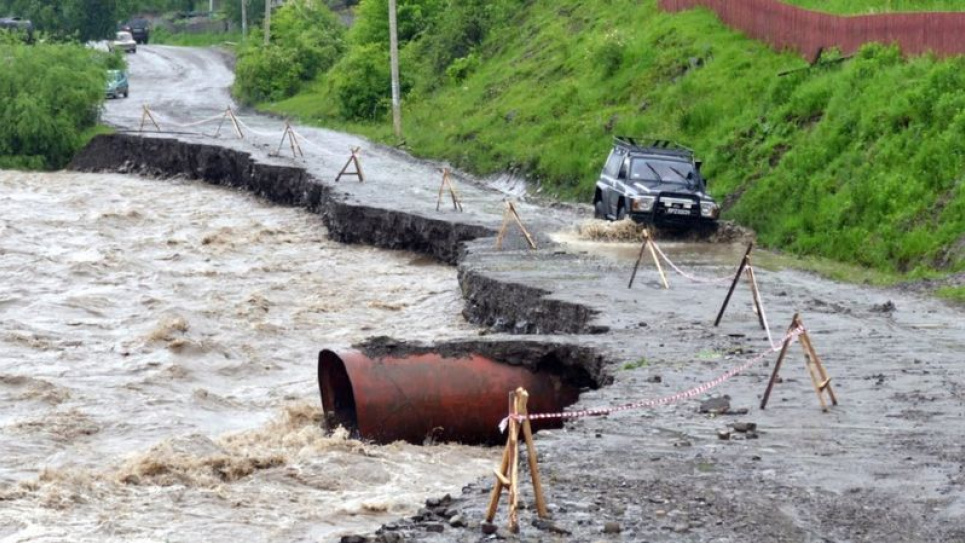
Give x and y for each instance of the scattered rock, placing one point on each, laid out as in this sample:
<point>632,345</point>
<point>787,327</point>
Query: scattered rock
<point>612,527</point>
<point>457,521</point>
<point>723,434</point>
<point>886,307</point>
<point>654,379</point>
<point>434,527</point>
<point>716,406</point>
<point>550,526</point>
<point>744,427</point>
<point>681,528</point>
<point>390,537</point>
<point>353,539</point>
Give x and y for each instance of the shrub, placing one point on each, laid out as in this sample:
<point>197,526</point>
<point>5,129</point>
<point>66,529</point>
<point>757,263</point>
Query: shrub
<point>362,82</point>
<point>306,39</point>
<point>49,97</point>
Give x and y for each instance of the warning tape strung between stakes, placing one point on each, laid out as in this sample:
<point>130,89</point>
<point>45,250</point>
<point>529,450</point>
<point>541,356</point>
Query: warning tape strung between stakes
<point>694,278</point>
<point>716,281</point>
<point>221,116</point>
<point>666,400</point>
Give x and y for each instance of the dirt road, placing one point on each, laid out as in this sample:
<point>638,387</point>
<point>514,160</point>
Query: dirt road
<point>884,465</point>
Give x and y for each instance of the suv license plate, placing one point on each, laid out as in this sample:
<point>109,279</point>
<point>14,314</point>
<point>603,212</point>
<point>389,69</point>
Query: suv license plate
<point>675,211</point>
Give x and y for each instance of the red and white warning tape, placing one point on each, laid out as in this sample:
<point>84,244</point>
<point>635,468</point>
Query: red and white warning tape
<point>666,400</point>
<point>694,278</point>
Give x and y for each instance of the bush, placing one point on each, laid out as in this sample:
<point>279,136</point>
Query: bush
<point>362,82</point>
<point>306,39</point>
<point>49,97</point>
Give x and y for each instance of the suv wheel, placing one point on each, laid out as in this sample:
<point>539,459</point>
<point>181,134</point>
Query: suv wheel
<point>621,211</point>
<point>599,210</point>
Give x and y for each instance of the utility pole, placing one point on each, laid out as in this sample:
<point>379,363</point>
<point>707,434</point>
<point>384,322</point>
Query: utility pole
<point>394,61</point>
<point>267,21</point>
<point>244,19</point>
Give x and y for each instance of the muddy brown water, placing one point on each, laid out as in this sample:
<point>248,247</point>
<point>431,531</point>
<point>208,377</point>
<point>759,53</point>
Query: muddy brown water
<point>157,366</point>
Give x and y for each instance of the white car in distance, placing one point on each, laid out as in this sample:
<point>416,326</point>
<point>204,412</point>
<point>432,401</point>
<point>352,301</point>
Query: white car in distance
<point>123,41</point>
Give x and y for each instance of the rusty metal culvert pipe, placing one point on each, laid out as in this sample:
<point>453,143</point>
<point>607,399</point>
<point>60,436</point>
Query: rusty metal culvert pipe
<point>428,397</point>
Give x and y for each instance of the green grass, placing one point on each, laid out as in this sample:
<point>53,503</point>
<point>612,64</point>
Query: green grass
<point>954,294</point>
<point>851,7</point>
<point>636,364</point>
<point>859,161</point>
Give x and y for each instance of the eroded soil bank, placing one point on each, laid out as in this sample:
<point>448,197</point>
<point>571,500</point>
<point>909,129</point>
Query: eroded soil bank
<point>885,465</point>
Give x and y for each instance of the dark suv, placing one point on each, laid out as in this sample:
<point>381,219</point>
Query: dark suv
<point>139,29</point>
<point>16,24</point>
<point>655,182</point>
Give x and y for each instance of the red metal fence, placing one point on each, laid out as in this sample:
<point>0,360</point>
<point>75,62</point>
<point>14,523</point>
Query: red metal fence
<point>808,32</point>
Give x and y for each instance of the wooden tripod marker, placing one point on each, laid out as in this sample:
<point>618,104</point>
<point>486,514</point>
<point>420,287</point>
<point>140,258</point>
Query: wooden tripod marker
<point>507,476</point>
<point>512,215</point>
<point>229,114</point>
<point>354,159</point>
<point>647,243</point>
<point>819,376</point>
<point>292,142</point>
<point>145,116</point>
<point>745,265</point>
<point>447,181</point>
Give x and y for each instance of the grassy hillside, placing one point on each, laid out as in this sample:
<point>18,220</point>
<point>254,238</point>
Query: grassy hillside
<point>859,160</point>
<point>877,6</point>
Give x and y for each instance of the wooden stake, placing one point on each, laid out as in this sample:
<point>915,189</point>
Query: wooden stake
<point>653,253</point>
<point>354,159</point>
<point>507,476</point>
<point>237,125</point>
<point>514,468</point>
<point>648,244</point>
<point>501,479</point>
<point>755,293</point>
<point>819,376</point>
<point>145,116</point>
<point>447,181</point>
<point>522,397</point>
<point>512,215</point>
<point>292,144</point>
<point>733,285</point>
<point>221,122</point>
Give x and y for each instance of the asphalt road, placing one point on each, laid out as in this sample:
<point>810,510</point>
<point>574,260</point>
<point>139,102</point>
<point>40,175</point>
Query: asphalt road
<point>884,465</point>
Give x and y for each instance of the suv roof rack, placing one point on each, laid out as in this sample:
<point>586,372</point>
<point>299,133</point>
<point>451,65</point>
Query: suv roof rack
<point>654,145</point>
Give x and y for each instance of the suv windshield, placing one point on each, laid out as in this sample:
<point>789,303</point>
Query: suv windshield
<point>661,171</point>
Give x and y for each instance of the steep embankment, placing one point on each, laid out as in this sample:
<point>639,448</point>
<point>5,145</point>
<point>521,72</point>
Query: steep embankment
<point>859,160</point>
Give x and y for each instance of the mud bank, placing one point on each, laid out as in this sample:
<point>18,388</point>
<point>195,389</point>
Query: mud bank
<point>502,306</point>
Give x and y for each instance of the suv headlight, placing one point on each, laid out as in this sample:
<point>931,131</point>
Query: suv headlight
<point>643,203</point>
<point>709,210</point>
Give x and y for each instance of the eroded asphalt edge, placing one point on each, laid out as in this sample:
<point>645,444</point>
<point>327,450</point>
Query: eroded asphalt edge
<point>665,477</point>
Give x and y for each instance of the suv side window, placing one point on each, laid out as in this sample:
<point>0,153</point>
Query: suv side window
<point>613,163</point>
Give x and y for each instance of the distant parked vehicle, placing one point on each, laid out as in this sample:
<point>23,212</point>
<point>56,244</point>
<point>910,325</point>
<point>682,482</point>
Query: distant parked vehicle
<point>123,41</point>
<point>17,24</point>
<point>117,85</point>
<point>140,29</point>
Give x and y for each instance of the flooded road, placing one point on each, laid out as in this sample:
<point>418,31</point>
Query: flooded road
<point>157,366</point>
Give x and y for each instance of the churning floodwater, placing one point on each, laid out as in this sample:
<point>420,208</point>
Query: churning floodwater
<point>158,342</point>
